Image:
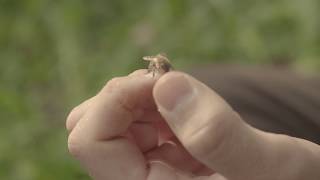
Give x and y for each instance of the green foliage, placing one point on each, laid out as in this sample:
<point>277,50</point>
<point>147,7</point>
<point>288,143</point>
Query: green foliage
<point>55,54</point>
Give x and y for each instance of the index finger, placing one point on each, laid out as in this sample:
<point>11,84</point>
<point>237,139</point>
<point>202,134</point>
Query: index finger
<point>78,112</point>
<point>117,105</point>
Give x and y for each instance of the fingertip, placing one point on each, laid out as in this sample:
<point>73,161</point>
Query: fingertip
<point>171,89</point>
<point>71,119</point>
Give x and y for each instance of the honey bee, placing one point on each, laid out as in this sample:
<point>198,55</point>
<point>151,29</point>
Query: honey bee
<point>159,64</point>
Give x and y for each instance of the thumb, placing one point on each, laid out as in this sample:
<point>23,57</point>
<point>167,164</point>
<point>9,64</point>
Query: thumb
<point>216,135</point>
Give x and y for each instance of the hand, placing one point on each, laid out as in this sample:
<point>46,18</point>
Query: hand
<point>122,134</point>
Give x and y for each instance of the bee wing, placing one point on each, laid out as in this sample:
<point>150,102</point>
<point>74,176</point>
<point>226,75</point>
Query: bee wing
<point>163,54</point>
<point>148,58</point>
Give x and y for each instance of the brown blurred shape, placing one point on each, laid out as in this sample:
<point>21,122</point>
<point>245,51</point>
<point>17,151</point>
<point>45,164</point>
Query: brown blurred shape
<point>273,99</point>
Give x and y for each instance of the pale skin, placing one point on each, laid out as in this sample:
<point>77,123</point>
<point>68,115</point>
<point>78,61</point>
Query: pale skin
<point>139,128</point>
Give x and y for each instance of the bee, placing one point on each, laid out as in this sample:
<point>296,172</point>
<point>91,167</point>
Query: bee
<point>159,64</point>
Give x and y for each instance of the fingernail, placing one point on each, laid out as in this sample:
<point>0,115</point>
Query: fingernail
<point>172,91</point>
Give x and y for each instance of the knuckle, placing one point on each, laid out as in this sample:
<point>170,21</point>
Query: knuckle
<point>211,137</point>
<point>112,84</point>
<point>118,86</point>
<point>71,117</point>
<point>138,72</point>
<point>76,146</point>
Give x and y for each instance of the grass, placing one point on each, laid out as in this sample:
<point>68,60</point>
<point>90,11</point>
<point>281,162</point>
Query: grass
<point>55,54</point>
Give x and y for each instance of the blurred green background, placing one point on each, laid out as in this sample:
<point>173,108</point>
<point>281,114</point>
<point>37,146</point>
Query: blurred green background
<point>55,54</point>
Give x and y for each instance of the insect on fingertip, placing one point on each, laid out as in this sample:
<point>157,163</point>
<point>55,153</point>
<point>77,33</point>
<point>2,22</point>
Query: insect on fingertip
<point>159,64</point>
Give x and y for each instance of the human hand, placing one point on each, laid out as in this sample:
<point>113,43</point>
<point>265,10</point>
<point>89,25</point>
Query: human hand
<point>120,135</point>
